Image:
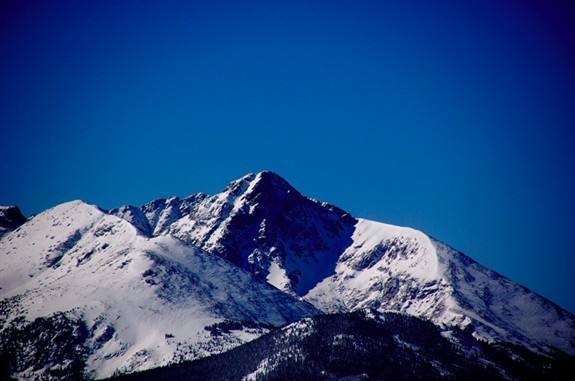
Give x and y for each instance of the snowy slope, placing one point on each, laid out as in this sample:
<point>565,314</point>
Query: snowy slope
<point>392,268</point>
<point>145,302</point>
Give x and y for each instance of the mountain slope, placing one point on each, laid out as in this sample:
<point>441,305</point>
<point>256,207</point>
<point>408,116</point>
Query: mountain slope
<point>131,302</point>
<point>401,269</point>
<point>365,345</point>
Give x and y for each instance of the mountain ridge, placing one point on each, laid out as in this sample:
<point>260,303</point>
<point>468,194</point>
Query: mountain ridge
<point>256,255</point>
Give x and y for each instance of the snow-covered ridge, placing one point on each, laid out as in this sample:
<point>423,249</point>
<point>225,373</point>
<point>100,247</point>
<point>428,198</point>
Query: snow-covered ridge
<point>393,268</point>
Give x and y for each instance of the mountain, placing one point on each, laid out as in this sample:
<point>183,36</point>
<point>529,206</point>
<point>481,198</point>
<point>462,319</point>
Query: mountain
<point>365,345</point>
<point>401,269</point>
<point>10,218</point>
<point>90,292</point>
<point>112,300</point>
<point>261,224</point>
<point>340,263</point>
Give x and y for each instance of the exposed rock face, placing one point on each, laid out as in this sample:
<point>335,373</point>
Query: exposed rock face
<point>10,218</point>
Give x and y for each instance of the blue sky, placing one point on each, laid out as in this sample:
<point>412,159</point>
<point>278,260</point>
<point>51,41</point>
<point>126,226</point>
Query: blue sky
<point>453,117</point>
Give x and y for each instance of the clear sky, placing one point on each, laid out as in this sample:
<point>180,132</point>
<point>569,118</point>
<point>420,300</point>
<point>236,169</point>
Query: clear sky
<point>454,117</point>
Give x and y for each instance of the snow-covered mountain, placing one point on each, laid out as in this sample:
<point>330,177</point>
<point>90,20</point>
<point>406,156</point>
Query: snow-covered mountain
<point>134,302</point>
<point>261,224</point>
<point>340,263</point>
<point>180,278</point>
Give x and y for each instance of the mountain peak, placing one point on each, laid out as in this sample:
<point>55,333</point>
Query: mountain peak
<point>261,182</point>
<point>271,180</point>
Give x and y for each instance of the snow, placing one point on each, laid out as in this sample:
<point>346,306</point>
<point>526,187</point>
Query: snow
<point>277,276</point>
<point>301,328</point>
<point>379,253</point>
